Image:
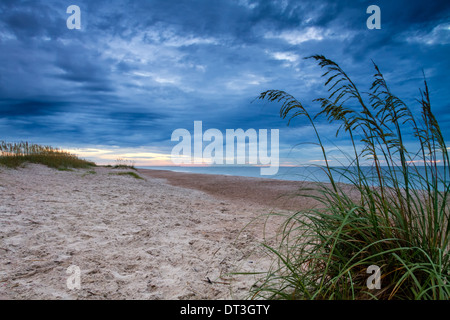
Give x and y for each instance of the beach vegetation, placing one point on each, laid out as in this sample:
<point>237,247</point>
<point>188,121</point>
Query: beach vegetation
<point>128,173</point>
<point>89,172</point>
<point>124,164</point>
<point>397,219</point>
<point>14,155</point>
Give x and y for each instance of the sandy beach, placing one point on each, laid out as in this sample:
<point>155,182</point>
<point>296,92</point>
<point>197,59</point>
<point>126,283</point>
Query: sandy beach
<point>167,236</point>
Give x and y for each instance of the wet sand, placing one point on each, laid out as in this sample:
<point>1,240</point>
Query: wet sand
<point>270,193</point>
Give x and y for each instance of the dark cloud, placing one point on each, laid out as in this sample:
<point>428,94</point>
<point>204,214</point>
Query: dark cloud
<point>137,70</point>
<point>31,19</point>
<point>31,108</point>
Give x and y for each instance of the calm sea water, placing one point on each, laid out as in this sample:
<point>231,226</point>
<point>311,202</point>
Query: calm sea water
<point>284,173</point>
<point>290,173</point>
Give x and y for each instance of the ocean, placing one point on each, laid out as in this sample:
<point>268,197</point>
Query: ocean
<point>299,173</point>
<point>284,173</point>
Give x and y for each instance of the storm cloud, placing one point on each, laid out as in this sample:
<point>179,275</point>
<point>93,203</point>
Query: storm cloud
<point>137,70</point>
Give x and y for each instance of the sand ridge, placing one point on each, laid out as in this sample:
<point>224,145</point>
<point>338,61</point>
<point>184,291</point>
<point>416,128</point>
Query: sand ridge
<point>131,239</point>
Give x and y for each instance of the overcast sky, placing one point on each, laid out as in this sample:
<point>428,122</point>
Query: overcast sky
<point>138,70</point>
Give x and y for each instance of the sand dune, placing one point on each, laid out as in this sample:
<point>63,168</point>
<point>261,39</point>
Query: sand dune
<point>169,236</point>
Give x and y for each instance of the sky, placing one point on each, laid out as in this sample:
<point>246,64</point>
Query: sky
<point>138,70</point>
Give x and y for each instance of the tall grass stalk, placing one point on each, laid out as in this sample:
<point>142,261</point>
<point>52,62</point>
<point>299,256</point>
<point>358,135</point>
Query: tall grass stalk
<point>399,220</point>
<point>13,155</point>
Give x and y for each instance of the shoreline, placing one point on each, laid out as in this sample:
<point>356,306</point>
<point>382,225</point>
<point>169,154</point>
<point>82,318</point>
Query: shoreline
<point>267,192</point>
<point>276,194</point>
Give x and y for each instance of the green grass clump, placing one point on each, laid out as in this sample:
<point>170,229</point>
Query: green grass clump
<point>14,155</point>
<point>90,172</point>
<point>128,173</point>
<point>124,164</point>
<point>398,218</point>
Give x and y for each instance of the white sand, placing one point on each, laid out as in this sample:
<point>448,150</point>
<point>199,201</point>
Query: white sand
<point>131,239</point>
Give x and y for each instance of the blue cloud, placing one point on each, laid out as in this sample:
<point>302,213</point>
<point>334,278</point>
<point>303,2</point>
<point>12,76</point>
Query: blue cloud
<point>137,70</point>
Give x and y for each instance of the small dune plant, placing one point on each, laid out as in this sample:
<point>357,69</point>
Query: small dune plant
<point>395,220</point>
<point>124,164</point>
<point>128,173</point>
<point>14,155</point>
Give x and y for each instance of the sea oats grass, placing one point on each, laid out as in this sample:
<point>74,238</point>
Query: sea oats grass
<point>397,217</point>
<point>14,155</point>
